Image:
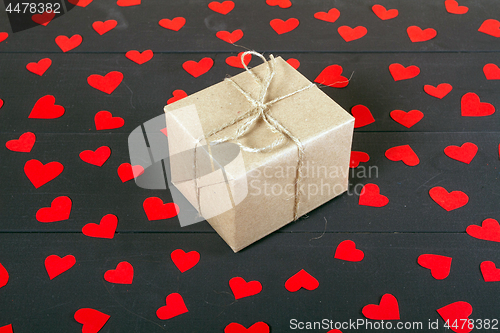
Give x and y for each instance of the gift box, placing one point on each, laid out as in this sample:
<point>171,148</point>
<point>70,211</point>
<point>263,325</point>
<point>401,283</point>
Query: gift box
<point>258,150</point>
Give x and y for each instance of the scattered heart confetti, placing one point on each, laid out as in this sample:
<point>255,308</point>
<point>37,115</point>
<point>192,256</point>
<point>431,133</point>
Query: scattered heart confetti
<point>293,62</point>
<point>464,153</point>
<point>416,34</point>
<point>177,95</point>
<point>489,271</point>
<point>107,83</point>
<point>67,44</point>
<point>473,107</point>
<point>39,67</point>
<point>489,230</point>
<point>280,3</point>
<point>456,312</point>
<point>139,57</point>
<point>123,274</point>
<point>221,7</point>
<point>198,68</point>
<point>22,145</point>
<point>399,72</point>
<point>332,15</point>
<point>91,319</point>
<point>102,27</point>
<point>104,120</point>
<point>97,157</point>
<point>258,327</point>
<point>362,116</point>
<point>45,108</point>
<point>128,3</point>
<point>175,306</point>
<point>440,91</point>
<point>301,279</point>
<point>155,209</point>
<point>357,157</point>
<point>40,174</point>
<point>282,27</point>
<point>402,153</point>
<point>370,196</point>
<point>55,265</point>
<point>6,329</point>
<point>407,119</point>
<point>452,7</point>
<point>439,265</point>
<point>3,36</point>
<point>241,288</point>
<point>59,210</point>
<point>490,27</point>
<point>126,172</point>
<point>184,261</point>
<point>347,251</point>
<point>330,76</point>
<point>449,201</point>
<point>235,61</point>
<point>80,3</point>
<point>105,229</point>
<point>383,13</point>
<point>491,71</point>
<point>349,34</point>
<point>174,24</point>
<point>387,309</point>
<point>4,276</point>
<point>230,37</point>
<point>44,18</point>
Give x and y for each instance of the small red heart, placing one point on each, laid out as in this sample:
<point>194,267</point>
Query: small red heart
<point>357,157</point>
<point>370,196</point>
<point>105,229</point>
<point>155,209</point>
<point>175,306</point>
<point>3,36</point>
<point>407,119</point>
<point>107,83</point>
<point>230,37</point>
<point>67,44</point>
<point>102,27</point>
<point>241,288</point>
<point>91,319</point>
<point>174,24</point>
<point>104,120</point>
<point>185,261</point>
<point>6,329</point>
<point>235,61</point>
<point>402,153</point>
<point>489,271</point>
<point>128,3</point>
<point>416,34</point>
<point>258,327</point>
<point>282,27</point>
<point>80,3</point>
<point>280,3</point>
<point>55,265</point>
<point>489,230</point>
<point>449,201</point>
<point>164,130</point>
<point>400,72</point>
<point>456,312</point>
<point>177,95</point>
<point>440,91</point>
<point>439,265</point>
<point>350,34</point>
<point>330,76</point>
<point>139,57</point>
<point>45,108</point>
<point>126,172</point>
<point>97,157</point>
<point>24,144</point>
<point>490,27</point>
<point>332,15</point>
<point>4,276</point>
<point>59,210</point>
<point>40,174</point>
<point>293,62</point>
<point>473,107</point>
<point>1,103</point>
<point>464,153</point>
<point>198,68</point>
<point>383,13</point>
<point>123,274</point>
<point>491,71</point>
<point>347,251</point>
<point>452,7</point>
<point>301,279</point>
<point>221,7</point>
<point>362,116</point>
<point>39,67</point>
<point>387,309</point>
<point>44,18</point>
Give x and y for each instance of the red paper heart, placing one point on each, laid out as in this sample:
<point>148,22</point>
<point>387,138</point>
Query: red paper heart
<point>123,274</point>
<point>44,18</point>
<point>301,279</point>
<point>155,209</point>
<point>491,71</point>
<point>3,36</point>
<point>449,201</point>
<point>330,76</point>
<point>293,62</point>
<point>457,312</point>
<point>282,27</point>
<point>399,72</point>
<point>221,7</point>
<point>105,229</point>
<point>332,15</point>
<point>80,3</point>
<point>128,3</point>
<point>490,27</point>
<point>439,265</point>
<point>464,153</point>
<point>39,67</point>
<point>104,120</point>
<point>387,309</point>
<point>55,265</point>
<point>241,288</point>
<point>357,157</point>
<point>362,116</point>
<point>416,34</point>
<point>402,153</point>
<point>40,174</point>
<point>407,119</point>
<point>139,57</point>
<point>67,44</point>
<point>107,83</point>
<point>258,327</point>
<point>370,196</point>
<point>45,108</point>
<point>489,230</point>
<point>350,34</point>
<point>185,261</point>
<point>4,276</point>
<point>177,95</point>
<point>91,319</point>
<point>174,24</point>
<point>280,3</point>
<point>97,157</point>
<point>59,210</point>
<point>383,13</point>
<point>230,37</point>
<point>489,271</point>
<point>175,306</point>
<point>235,61</point>
<point>126,172</point>
<point>198,68</point>
<point>440,91</point>
<point>6,329</point>
<point>102,27</point>
<point>347,251</point>
<point>24,144</point>
<point>473,107</point>
<point>452,7</point>
<point>1,103</point>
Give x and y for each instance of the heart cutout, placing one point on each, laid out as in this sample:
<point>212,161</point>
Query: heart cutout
<point>330,76</point>
<point>349,34</point>
<point>40,174</point>
<point>400,72</point>
<point>127,172</point>
<point>402,153</point>
<point>489,230</point>
<point>107,83</point>
<point>301,279</point>
<point>440,91</point>
<point>457,312</point>
<point>235,61</point>
<point>221,7</point>
<point>104,120</point>
<point>279,3</point>
<point>139,57</point>
<point>67,44</point>
<point>155,209</point>
<point>452,7</point>
<point>45,108</point>
<point>473,107</point>
<point>4,276</point>
<point>387,309</point>
<point>258,327</point>
<point>490,27</point>
<point>282,27</point>
<point>293,62</point>
<point>184,261</point>
<point>416,34</point>
<point>55,265</point>
<point>464,153</point>
<point>241,288</point>
<point>105,229</point>
<point>332,15</point>
<point>230,37</point>
<point>122,274</point>
<point>174,24</point>
<point>439,265</point>
<point>407,119</point>
<point>347,251</point>
<point>448,201</point>
<point>357,157</point>
<point>128,3</point>
<point>175,307</point>
<point>370,196</point>
<point>384,14</point>
<point>91,319</point>
<point>102,27</point>
<point>491,72</point>
<point>97,157</point>
<point>177,95</point>
<point>362,116</point>
<point>22,145</point>
<point>59,210</point>
<point>44,18</point>
<point>40,67</point>
<point>198,68</point>
<point>489,271</point>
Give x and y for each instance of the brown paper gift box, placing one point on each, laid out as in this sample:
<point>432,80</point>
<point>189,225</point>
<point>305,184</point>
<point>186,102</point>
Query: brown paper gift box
<point>257,194</point>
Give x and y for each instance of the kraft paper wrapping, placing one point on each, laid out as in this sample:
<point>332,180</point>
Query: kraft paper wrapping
<point>256,197</point>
